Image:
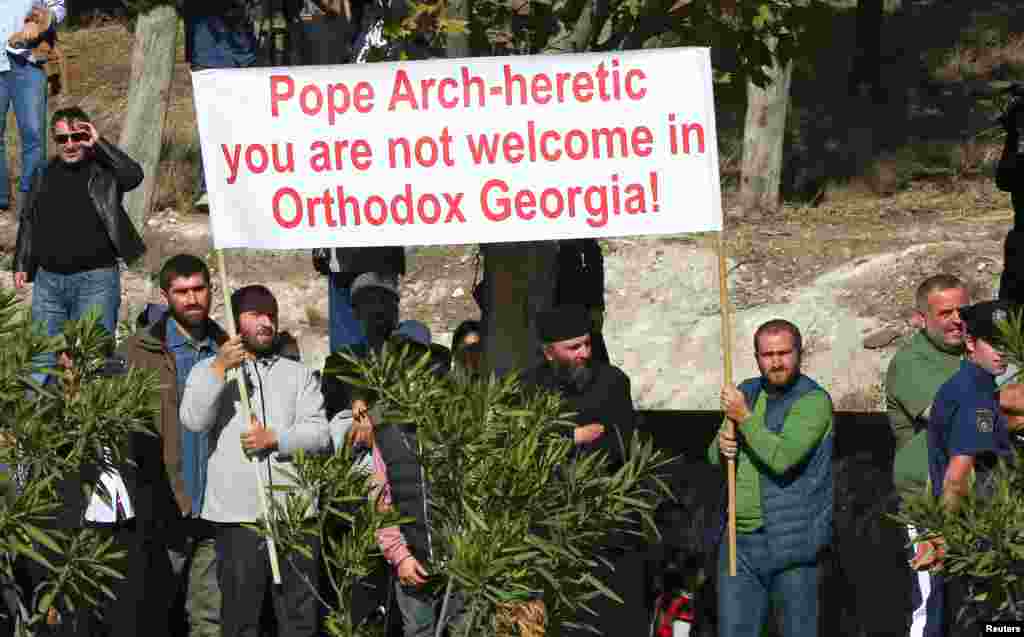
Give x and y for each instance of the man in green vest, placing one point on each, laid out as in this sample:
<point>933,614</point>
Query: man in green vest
<point>783,449</point>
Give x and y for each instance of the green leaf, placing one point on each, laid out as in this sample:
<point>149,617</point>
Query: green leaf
<point>43,538</point>
<point>31,553</point>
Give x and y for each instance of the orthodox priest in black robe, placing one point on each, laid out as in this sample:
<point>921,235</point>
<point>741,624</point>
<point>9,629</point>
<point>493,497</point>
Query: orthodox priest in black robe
<point>599,393</point>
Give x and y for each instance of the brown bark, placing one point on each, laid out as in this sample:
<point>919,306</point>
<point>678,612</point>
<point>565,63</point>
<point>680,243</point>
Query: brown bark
<point>156,36</point>
<point>458,43</point>
<point>521,276</point>
<point>866,72</point>
<point>763,134</point>
<point>520,283</point>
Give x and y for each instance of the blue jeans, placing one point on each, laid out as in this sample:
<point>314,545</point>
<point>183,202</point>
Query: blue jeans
<point>24,87</point>
<point>217,44</point>
<point>58,298</point>
<point>344,329</point>
<point>744,600</point>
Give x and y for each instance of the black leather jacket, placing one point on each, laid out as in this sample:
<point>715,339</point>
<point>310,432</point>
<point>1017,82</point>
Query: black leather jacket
<point>1010,176</point>
<point>113,174</point>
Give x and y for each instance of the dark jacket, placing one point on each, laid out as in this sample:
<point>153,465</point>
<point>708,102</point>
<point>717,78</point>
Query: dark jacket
<point>607,400</point>
<point>355,261</point>
<point>580,273</point>
<point>75,500</point>
<point>135,473</point>
<point>113,174</point>
<point>1010,178</point>
<point>147,349</point>
<point>407,480</point>
<point>142,558</point>
<point>399,449</point>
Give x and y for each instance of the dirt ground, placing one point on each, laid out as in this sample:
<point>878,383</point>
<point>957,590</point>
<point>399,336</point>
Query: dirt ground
<point>800,243</point>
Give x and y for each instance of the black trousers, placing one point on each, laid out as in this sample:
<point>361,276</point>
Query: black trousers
<point>136,597</point>
<point>867,584</point>
<point>243,570</point>
<point>629,581</point>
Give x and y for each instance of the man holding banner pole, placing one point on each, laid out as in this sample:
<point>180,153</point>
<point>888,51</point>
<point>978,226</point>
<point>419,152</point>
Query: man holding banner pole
<point>287,415</point>
<point>782,440</point>
<point>509,151</point>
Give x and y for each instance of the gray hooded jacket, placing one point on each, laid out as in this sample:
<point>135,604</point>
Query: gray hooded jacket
<point>285,396</point>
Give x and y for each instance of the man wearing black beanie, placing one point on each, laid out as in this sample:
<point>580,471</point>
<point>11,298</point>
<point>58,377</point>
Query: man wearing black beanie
<point>599,393</point>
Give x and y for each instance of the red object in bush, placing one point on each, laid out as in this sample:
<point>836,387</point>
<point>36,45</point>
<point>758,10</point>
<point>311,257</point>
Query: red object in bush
<point>673,608</point>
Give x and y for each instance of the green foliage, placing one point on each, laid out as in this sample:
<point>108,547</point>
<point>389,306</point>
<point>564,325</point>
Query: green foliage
<point>753,36</point>
<point>513,516</point>
<point>1011,341</point>
<point>984,541</point>
<point>330,502</point>
<point>50,432</point>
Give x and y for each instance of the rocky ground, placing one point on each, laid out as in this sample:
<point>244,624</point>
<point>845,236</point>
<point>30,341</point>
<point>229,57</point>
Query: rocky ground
<point>847,282</point>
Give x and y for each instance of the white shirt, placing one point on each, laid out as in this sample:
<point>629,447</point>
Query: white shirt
<point>104,511</point>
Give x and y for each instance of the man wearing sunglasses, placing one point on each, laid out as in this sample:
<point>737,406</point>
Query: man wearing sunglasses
<point>73,229</point>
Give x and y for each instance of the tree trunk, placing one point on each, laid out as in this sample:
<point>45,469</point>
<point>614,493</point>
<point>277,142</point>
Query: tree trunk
<point>458,43</point>
<point>520,277</point>
<point>866,72</point>
<point>763,134</point>
<point>153,55</point>
<point>519,282</point>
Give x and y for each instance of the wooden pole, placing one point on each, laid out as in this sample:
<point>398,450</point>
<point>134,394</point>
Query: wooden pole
<point>243,392</point>
<point>723,293</point>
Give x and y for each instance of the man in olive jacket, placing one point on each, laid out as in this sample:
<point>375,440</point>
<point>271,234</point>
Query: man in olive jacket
<point>172,346</point>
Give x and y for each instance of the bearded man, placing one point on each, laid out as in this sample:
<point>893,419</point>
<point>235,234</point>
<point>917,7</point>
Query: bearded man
<point>287,415</point>
<point>171,346</point>
<point>782,443</point>
<point>599,394</point>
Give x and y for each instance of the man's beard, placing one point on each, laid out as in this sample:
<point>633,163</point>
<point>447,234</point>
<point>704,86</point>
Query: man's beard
<point>258,348</point>
<point>575,377</point>
<point>786,384</point>
<point>183,319</point>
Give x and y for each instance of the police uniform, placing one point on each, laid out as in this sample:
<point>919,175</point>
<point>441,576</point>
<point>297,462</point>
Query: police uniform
<point>966,421</point>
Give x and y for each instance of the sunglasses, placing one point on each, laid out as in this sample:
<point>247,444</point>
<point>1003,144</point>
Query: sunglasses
<point>62,139</point>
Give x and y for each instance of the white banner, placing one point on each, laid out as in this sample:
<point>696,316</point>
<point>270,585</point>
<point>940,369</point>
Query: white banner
<point>460,151</point>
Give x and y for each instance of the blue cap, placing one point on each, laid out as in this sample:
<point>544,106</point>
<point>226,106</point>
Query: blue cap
<point>414,331</point>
